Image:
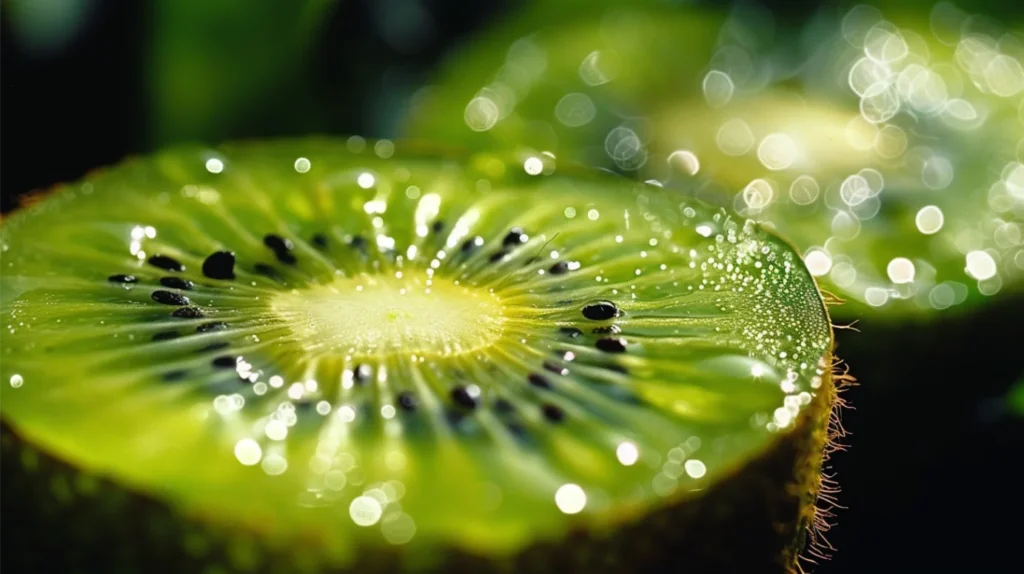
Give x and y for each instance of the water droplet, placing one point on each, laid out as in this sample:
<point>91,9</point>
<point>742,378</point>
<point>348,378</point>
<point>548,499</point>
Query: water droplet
<point>570,498</point>
<point>718,88</point>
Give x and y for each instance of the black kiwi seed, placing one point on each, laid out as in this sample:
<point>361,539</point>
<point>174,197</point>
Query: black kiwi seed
<point>438,226</point>
<point>600,310</point>
<point>553,413</point>
<point>281,247</point>
<point>454,417</point>
<point>407,401</point>
<point>515,236</point>
<point>171,376</point>
<point>516,429</point>
<point>215,346</point>
<point>612,345</point>
<point>539,381</point>
<point>177,283</point>
<point>465,397</point>
<point>187,313</point>
<point>277,243</point>
<point>215,326</point>
<point>504,406</point>
<point>559,268</point>
<point>555,368</point>
<point>267,271</point>
<point>220,265</point>
<point>165,262</point>
<point>319,240</point>
<point>225,362</point>
<point>122,279</point>
<point>613,329</point>
<point>358,242</point>
<point>168,298</point>
<point>571,332</point>
<point>361,374</point>
<point>471,243</point>
<point>165,335</point>
<point>498,256</point>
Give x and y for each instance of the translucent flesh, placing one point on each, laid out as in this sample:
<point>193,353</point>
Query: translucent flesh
<point>304,431</point>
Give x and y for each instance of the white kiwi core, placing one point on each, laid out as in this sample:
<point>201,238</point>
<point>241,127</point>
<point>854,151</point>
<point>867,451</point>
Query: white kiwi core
<point>369,315</point>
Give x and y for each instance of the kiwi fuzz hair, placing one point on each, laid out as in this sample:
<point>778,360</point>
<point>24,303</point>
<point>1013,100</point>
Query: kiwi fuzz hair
<point>768,511</point>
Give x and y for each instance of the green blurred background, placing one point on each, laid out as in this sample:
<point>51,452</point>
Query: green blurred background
<point>930,474</point>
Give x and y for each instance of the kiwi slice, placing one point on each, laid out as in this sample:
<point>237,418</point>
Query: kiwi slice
<point>322,354</point>
<point>887,147</point>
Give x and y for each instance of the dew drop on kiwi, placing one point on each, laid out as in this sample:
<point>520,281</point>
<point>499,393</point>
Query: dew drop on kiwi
<point>361,374</point>
<point>220,265</point>
<point>166,263</point>
<point>177,283</point>
<point>600,310</point>
<point>169,298</point>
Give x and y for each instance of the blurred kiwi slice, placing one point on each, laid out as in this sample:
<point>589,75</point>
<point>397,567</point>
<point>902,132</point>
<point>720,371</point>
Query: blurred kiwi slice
<point>332,354</point>
<point>886,143</point>
<point>894,164</point>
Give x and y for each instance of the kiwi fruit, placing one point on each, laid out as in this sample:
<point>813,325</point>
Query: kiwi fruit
<point>335,355</point>
<point>887,146</point>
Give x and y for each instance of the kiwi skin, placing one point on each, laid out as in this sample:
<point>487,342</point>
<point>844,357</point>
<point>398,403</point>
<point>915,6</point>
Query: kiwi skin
<point>60,519</point>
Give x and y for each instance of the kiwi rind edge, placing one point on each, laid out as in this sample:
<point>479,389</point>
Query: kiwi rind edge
<point>768,516</point>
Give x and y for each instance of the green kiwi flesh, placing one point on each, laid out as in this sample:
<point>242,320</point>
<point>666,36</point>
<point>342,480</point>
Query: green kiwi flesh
<point>334,354</point>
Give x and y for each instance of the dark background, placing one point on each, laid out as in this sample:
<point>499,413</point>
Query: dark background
<point>930,480</point>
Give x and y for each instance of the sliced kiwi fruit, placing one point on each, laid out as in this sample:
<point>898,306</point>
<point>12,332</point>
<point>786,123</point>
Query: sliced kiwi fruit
<point>334,355</point>
<point>889,147</point>
<point>896,167</point>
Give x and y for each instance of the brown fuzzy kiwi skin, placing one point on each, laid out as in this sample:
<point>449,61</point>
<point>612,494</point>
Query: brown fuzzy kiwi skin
<point>58,519</point>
